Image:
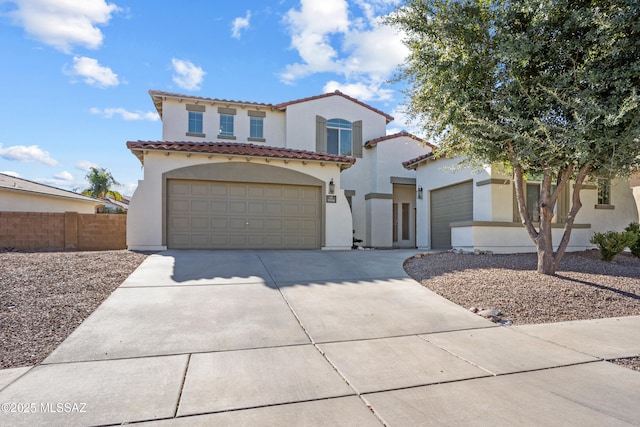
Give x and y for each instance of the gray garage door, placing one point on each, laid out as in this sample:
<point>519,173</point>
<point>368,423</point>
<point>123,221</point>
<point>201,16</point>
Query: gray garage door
<point>449,204</point>
<point>226,215</point>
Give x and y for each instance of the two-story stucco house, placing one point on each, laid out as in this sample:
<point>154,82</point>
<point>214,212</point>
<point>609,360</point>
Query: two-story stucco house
<point>312,173</point>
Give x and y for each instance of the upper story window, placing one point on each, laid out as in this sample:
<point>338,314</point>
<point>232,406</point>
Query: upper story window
<point>195,120</point>
<point>226,125</point>
<point>339,137</point>
<point>256,125</point>
<point>226,122</point>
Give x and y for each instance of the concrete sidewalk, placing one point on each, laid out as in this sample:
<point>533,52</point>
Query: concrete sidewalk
<point>317,338</point>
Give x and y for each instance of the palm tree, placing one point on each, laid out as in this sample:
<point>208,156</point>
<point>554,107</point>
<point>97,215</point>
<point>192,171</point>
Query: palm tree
<point>100,183</point>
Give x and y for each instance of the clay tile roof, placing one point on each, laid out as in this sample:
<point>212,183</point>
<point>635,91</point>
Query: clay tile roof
<point>413,163</point>
<point>284,105</point>
<point>373,142</point>
<point>236,149</point>
<point>158,95</point>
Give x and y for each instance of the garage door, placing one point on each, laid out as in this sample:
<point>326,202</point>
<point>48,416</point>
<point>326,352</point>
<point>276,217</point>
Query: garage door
<point>226,215</point>
<point>449,204</point>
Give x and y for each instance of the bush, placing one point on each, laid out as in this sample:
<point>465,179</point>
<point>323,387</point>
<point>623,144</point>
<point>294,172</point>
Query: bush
<point>634,227</point>
<point>612,243</point>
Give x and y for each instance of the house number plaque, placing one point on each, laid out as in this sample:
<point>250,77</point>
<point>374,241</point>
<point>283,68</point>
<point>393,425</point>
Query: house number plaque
<point>331,198</point>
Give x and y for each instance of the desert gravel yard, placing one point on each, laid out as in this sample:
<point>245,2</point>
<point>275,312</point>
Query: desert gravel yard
<point>44,296</point>
<point>583,288</point>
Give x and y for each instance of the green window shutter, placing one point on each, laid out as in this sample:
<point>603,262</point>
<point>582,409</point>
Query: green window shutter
<point>321,134</point>
<point>357,139</point>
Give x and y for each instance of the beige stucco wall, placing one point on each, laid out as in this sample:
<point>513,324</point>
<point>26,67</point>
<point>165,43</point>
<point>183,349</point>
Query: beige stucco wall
<point>493,204</point>
<point>16,201</point>
<point>301,120</point>
<point>145,226</point>
<point>175,123</point>
<point>439,173</point>
<point>372,174</point>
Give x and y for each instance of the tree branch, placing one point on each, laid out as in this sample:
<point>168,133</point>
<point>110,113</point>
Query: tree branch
<point>518,181</point>
<point>576,204</point>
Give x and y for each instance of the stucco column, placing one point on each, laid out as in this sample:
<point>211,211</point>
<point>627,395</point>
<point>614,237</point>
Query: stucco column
<point>379,220</point>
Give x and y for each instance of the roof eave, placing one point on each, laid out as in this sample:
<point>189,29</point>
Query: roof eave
<point>140,153</point>
<point>83,199</point>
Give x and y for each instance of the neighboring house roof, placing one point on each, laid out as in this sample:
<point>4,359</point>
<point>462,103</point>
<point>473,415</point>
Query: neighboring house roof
<point>233,149</point>
<point>122,204</point>
<point>413,163</point>
<point>159,95</point>
<point>284,105</point>
<point>373,142</point>
<point>12,183</point>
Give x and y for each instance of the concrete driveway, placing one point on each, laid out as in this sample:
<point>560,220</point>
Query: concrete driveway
<point>314,338</point>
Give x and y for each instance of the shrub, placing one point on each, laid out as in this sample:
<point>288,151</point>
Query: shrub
<point>612,243</point>
<point>634,227</point>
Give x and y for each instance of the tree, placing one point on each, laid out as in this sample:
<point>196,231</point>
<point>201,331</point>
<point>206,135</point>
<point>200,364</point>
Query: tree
<point>544,87</point>
<point>100,183</point>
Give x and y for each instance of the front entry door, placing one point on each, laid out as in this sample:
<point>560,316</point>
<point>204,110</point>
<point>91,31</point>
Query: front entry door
<point>404,203</point>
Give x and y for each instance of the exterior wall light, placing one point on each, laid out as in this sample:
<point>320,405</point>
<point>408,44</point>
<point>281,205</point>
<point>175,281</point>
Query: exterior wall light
<point>419,192</point>
<point>332,187</point>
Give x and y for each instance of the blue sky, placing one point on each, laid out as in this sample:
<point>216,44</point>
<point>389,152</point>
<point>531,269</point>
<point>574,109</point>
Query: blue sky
<point>76,73</point>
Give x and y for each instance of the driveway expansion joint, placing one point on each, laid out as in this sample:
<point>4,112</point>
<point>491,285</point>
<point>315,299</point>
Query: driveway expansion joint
<point>184,379</point>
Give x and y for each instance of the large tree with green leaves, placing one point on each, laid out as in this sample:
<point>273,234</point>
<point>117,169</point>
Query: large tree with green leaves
<point>546,87</point>
<point>100,184</point>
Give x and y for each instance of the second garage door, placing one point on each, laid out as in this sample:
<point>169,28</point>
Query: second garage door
<point>449,204</point>
<point>230,215</point>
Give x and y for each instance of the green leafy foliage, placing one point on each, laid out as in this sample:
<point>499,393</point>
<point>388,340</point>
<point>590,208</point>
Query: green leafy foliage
<point>634,228</point>
<point>546,87</point>
<point>100,183</point>
<point>612,243</point>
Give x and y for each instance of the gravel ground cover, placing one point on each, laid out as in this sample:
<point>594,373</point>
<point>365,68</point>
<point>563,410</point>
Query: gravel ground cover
<point>44,296</point>
<point>583,288</point>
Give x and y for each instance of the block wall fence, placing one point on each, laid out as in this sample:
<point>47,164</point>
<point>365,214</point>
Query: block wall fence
<point>69,231</point>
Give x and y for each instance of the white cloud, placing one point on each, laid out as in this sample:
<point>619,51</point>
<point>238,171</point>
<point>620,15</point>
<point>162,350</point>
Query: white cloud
<point>12,173</point>
<point>85,165</point>
<point>310,29</point>
<point>403,122</point>
<point>93,73</point>
<point>27,154</point>
<point>362,90</point>
<point>240,24</point>
<point>64,23</point>
<point>64,176</point>
<point>128,189</point>
<point>329,39</point>
<point>126,114</point>
<point>376,52</point>
<point>187,75</point>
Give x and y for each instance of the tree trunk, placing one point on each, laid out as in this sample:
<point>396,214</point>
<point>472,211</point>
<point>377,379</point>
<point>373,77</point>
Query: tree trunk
<point>548,261</point>
<point>576,204</point>
<point>546,264</point>
<point>544,241</point>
